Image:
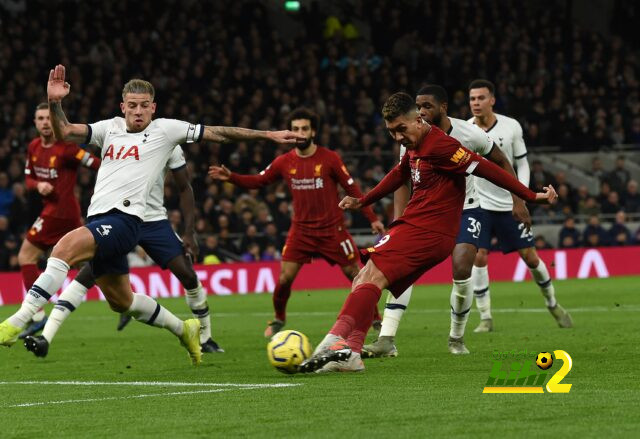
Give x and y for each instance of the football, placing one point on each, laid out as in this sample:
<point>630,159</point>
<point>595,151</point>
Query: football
<point>544,360</point>
<point>287,349</point>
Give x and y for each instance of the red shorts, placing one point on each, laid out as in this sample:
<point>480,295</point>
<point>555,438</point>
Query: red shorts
<point>406,253</point>
<point>46,231</point>
<point>338,248</point>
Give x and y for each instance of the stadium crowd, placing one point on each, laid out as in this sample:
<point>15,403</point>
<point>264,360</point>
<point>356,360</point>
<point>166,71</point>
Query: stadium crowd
<point>237,63</point>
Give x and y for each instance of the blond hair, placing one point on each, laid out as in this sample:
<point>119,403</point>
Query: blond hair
<point>139,86</point>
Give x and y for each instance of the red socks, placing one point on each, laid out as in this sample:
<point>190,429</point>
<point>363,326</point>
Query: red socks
<point>30,273</point>
<point>280,298</point>
<point>356,315</point>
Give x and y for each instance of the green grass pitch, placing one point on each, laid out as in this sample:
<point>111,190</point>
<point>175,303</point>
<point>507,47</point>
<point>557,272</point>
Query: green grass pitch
<point>423,392</point>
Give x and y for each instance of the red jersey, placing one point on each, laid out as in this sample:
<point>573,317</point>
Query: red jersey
<point>313,185</point>
<point>437,169</point>
<point>58,165</point>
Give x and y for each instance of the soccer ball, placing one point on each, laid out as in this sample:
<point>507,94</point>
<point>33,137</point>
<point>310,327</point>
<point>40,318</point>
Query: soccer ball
<point>544,360</point>
<point>287,349</point>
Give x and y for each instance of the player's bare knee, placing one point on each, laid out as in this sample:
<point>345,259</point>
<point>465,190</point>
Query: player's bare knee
<point>481,258</point>
<point>187,277</point>
<point>461,272</point>
<point>531,259</point>
<point>285,279</point>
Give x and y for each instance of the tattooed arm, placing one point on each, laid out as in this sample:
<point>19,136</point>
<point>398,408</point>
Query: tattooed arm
<point>57,89</point>
<point>236,134</point>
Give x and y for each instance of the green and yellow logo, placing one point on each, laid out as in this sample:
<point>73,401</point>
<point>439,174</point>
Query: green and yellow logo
<point>523,375</point>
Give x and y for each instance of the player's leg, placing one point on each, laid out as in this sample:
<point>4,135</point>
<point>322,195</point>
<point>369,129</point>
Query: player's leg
<point>461,299</point>
<point>343,344</point>
<point>196,297</point>
<point>480,272</point>
<point>540,274</point>
<point>28,258</point>
<point>117,290</point>
<point>68,301</point>
<point>76,246</point>
<point>281,293</point>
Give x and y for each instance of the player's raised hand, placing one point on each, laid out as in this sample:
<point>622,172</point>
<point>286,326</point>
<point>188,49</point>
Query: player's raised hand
<point>57,88</point>
<point>377,228</point>
<point>548,197</point>
<point>286,136</point>
<point>521,214</point>
<point>219,173</point>
<point>350,203</point>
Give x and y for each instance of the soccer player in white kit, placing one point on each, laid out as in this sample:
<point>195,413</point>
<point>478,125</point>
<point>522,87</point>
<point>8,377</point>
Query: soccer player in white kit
<point>432,102</point>
<point>496,204</point>
<point>135,150</point>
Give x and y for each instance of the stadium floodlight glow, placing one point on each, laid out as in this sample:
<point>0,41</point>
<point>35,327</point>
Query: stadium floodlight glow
<point>292,6</point>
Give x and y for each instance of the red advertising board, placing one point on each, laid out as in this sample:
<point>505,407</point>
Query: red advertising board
<point>260,277</point>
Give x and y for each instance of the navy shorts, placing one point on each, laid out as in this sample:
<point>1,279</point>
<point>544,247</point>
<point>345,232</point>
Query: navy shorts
<point>511,235</point>
<point>161,243</point>
<point>116,234</point>
<point>470,227</point>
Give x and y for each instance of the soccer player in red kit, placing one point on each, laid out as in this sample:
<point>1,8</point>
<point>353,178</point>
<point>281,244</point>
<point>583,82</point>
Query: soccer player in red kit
<point>51,169</point>
<point>312,173</point>
<point>422,237</point>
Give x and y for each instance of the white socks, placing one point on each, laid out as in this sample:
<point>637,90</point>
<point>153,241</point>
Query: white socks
<point>541,276</point>
<point>69,300</point>
<point>480,279</point>
<point>393,311</point>
<point>197,301</point>
<point>41,291</point>
<point>146,310</point>
<point>461,299</point>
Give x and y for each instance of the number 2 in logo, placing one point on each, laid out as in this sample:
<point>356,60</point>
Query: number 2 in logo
<point>554,386</point>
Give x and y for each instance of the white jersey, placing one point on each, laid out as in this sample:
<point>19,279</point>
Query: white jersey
<point>474,139</point>
<point>506,132</point>
<point>155,202</point>
<point>132,162</point>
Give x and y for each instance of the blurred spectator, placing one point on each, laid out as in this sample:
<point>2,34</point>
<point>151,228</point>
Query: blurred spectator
<point>590,207</point>
<point>539,177</point>
<point>619,233</point>
<point>569,236</point>
<point>597,170</point>
<point>271,253</point>
<point>6,195</point>
<point>541,243</point>
<point>139,258</point>
<point>619,177</point>
<point>631,198</point>
<point>252,253</point>
<point>594,234</point>
<point>210,253</point>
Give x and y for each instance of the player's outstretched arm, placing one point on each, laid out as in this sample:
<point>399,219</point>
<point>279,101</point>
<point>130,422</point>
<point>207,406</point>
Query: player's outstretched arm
<point>268,176</point>
<point>237,134</point>
<point>400,199</point>
<point>58,89</point>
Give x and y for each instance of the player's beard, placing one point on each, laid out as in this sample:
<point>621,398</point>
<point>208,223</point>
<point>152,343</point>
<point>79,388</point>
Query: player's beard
<point>437,119</point>
<point>302,147</point>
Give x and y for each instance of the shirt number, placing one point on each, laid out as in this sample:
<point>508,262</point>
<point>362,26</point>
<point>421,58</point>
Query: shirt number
<point>347,247</point>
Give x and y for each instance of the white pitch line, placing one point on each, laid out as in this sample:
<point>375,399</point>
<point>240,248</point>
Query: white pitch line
<point>151,383</point>
<point>112,398</point>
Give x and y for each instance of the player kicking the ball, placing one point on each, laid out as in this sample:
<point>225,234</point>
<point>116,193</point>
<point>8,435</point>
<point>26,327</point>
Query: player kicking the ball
<point>135,150</point>
<point>165,248</point>
<point>422,237</point>
<point>495,209</point>
<point>312,173</point>
<point>432,102</point>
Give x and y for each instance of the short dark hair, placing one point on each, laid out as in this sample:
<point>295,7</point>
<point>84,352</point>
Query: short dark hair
<point>398,104</point>
<point>436,91</point>
<point>303,113</point>
<point>482,83</point>
<point>42,106</point>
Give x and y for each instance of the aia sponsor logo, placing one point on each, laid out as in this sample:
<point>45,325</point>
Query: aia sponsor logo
<point>122,153</point>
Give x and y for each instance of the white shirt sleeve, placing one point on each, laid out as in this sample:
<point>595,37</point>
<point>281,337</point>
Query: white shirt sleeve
<point>176,160</point>
<point>98,132</point>
<point>403,151</point>
<point>178,131</point>
<point>519,148</point>
<point>481,142</point>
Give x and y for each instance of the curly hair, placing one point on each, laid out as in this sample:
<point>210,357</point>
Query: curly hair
<point>398,104</point>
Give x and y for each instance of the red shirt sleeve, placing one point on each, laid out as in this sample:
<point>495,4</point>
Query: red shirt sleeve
<point>268,176</point>
<point>29,173</point>
<point>392,181</point>
<point>75,155</point>
<point>352,189</point>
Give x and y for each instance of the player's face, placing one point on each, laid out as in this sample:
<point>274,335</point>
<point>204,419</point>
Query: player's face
<point>430,109</point>
<point>138,109</point>
<point>303,127</point>
<point>43,125</point>
<point>481,101</point>
<point>406,129</point>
